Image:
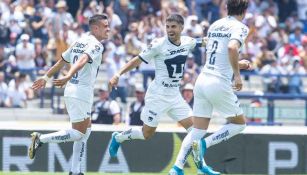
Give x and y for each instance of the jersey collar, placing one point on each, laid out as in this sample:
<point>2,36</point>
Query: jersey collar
<point>173,43</point>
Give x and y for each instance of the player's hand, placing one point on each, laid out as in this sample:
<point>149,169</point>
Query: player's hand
<point>245,64</point>
<point>204,41</point>
<point>61,81</point>
<point>38,84</point>
<point>113,82</point>
<point>237,83</point>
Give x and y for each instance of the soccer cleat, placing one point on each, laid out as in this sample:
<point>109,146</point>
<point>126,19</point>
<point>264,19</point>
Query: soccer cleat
<point>35,144</point>
<point>206,170</point>
<point>113,148</point>
<point>198,150</point>
<point>70,173</point>
<point>176,171</point>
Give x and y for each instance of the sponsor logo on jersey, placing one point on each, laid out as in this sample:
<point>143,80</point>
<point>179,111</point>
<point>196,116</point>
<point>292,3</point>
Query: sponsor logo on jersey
<point>222,28</point>
<point>97,48</point>
<point>150,119</point>
<point>80,45</point>
<point>153,113</point>
<point>172,52</point>
<point>77,50</point>
<point>219,35</point>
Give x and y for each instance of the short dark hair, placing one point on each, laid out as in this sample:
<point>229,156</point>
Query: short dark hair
<point>175,17</point>
<point>236,7</point>
<point>96,18</point>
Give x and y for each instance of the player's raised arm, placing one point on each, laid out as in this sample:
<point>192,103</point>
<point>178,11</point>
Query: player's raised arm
<point>133,63</point>
<point>233,50</point>
<point>84,58</point>
<point>41,82</point>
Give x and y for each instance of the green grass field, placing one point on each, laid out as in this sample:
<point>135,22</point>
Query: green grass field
<point>43,173</point>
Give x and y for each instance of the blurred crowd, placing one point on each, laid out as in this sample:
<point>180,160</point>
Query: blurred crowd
<point>34,33</point>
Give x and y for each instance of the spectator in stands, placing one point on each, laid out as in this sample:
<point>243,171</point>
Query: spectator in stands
<point>137,106</point>
<point>23,84</point>
<point>286,8</point>
<point>7,64</point>
<point>187,93</point>
<point>115,21</point>
<point>106,111</point>
<point>295,82</point>
<point>132,42</point>
<point>3,90</point>
<point>303,52</point>
<point>38,23</point>
<point>25,55</point>
<point>296,37</point>
<point>191,67</point>
<point>16,97</point>
<point>272,80</point>
<point>114,67</point>
<point>61,17</point>
<point>40,56</point>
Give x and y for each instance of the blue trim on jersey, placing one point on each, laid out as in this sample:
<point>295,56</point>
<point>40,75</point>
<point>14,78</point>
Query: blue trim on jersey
<point>64,59</point>
<point>199,42</point>
<point>143,59</point>
<point>173,43</point>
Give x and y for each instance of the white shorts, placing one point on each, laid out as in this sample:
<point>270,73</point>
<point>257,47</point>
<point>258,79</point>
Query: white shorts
<point>78,110</point>
<point>159,105</point>
<point>212,92</point>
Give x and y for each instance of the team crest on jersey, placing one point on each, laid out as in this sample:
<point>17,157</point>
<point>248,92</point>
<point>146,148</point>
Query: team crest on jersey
<point>244,32</point>
<point>97,48</point>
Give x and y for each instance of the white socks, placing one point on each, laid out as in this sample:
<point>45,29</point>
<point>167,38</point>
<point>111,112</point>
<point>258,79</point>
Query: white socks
<point>186,147</point>
<point>78,153</point>
<point>224,134</point>
<point>131,134</point>
<point>61,136</point>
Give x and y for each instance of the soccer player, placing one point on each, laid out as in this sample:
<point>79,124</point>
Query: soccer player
<point>213,88</point>
<point>169,54</point>
<point>85,57</point>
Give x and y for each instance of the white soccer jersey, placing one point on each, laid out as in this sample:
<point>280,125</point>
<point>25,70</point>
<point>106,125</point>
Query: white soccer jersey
<point>81,85</point>
<point>169,62</point>
<point>219,35</point>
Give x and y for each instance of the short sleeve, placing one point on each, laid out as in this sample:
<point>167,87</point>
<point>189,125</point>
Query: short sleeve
<point>66,54</point>
<point>150,52</point>
<point>239,34</point>
<point>93,51</point>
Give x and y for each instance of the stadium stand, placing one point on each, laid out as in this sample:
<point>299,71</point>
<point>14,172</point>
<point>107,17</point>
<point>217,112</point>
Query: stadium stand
<point>33,34</point>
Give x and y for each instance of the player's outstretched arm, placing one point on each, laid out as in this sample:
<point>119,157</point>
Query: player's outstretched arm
<point>133,63</point>
<point>41,82</point>
<point>84,58</point>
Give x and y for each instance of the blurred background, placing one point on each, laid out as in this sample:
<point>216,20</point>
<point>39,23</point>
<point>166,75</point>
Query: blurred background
<point>34,33</point>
